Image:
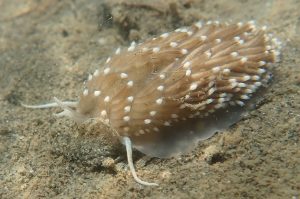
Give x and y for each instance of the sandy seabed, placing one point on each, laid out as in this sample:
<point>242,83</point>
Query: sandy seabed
<point>48,47</point>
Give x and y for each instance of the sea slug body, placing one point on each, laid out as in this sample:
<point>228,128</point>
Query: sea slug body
<point>149,88</point>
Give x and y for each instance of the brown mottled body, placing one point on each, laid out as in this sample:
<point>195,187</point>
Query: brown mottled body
<point>188,73</point>
<point>155,92</point>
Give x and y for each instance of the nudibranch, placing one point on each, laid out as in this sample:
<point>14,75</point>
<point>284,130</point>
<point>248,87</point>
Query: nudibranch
<point>178,87</point>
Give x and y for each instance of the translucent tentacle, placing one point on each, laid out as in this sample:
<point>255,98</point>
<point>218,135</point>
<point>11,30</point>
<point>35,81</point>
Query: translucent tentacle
<point>67,106</point>
<point>128,145</point>
<point>51,105</point>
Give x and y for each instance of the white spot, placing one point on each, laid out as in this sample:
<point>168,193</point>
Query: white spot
<point>107,99</point>
<point>237,89</point>
<point>152,113</point>
<point>147,121</point>
<point>208,54</point>
<point>188,72</point>
<point>166,123</point>
<point>268,77</point>
<point>252,22</point>
<point>97,93</point>
<point>187,96</point>
<point>236,39</point>
<point>96,73</point>
<point>210,84</point>
<point>131,48</point>
<point>245,97</point>
<point>223,95</point>
<point>246,77</point>
<point>208,101</point>
<point>189,33</point>
<point>217,106</point>
<point>216,22</point>
<point>156,49</point>
<point>160,88</point>
<point>159,101</point>
<point>203,38</point>
<point>141,131</point>
<point>261,71</point>
<point>184,51</point>
<point>276,53</point>
<point>221,100</point>
<point>234,54</point>
<point>156,129</point>
<point>218,41</point>
<point>183,30</point>
<point>145,49</point>
<point>164,35</point>
<point>198,24</point>
<point>130,98</point>
<point>118,51</point>
<point>255,77</point>
<point>186,64</point>
<point>246,34</point>
<point>241,42</point>
<point>85,92</point>
<point>130,83</point>
<point>126,118</point>
<point>162,76</point>
<point>193,86</point>
<point>90,77</point>
<point>248,90</point>
<point>127,109</point>
<point>108,59</point>
<point>226,70</point>
<point>241,85</point>
<point>173,44</point>
<point>106,71</point>
<point>123,75</point>
<point>211,91</point>
<point>240,102</point>
<point>174,116</point>
<point>182,106</point>
<point>244,60</point>
<point>232,80</point>
<point>257,84</point>
<point>239,24</point>
<point>103,113</point>
<point>233,84</point>
<point>133,43</point>
<point>216,69</point>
